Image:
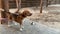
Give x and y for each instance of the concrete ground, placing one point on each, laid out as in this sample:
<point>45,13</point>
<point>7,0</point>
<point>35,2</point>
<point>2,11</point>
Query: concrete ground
<point>37,28</point>
<point>28,29</point>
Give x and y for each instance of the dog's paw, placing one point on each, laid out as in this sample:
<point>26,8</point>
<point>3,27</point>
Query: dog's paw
<point>21,29</point>
<point>32,23</point>
<point>15,23</point>
<point>9,25</point>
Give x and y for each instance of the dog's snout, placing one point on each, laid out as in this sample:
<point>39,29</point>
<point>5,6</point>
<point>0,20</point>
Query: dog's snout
<point>30,14</point>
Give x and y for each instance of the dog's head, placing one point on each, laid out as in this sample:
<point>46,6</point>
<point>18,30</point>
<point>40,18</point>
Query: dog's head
<point>26,13</point>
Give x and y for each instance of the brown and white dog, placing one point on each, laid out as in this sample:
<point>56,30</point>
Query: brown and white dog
<point>18,17</point>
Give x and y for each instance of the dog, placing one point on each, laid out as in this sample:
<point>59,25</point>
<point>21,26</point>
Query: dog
<point>18,17</point>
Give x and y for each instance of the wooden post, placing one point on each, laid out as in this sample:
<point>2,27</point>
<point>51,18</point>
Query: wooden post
<point>46,3</point>
<point>0,6</point>
<point>0,9</point>
<point>6,5</point>
<point>18,3</point>
<point>41,5</point>
<point>0,3</point>
<point>19,6</point>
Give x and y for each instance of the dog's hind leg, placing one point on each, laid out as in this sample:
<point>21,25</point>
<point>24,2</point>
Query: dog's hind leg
<point>10,23</point>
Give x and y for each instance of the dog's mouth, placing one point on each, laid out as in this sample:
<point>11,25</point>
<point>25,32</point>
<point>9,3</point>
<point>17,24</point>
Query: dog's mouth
<point>29,14</point>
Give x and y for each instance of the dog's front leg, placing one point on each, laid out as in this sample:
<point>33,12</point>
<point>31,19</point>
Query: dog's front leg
<point>32,23</point>
<point>21,26</point>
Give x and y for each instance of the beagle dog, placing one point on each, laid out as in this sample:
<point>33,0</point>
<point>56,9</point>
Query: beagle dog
<point>18,17</point>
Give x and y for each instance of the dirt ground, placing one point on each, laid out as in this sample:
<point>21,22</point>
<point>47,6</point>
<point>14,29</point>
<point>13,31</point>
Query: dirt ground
<point>50,16</point>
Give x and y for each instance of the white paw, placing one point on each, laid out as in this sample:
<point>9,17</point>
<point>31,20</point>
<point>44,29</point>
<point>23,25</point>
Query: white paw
<point>9,25</point>
<point>21,29</point>
<point>16,24</point>
<point>32,23</point>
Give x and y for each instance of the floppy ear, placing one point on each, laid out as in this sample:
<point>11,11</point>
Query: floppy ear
<point>24,14</point>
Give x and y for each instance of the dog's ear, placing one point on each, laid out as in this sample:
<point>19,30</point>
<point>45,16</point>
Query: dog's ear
<point>24,13</point>
<point>27,13</point>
